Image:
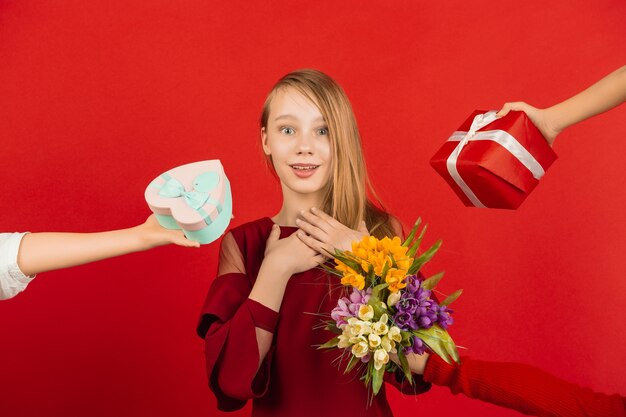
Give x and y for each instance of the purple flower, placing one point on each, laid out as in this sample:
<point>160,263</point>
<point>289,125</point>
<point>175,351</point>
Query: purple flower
<point>412,283</point>
<point>349,307</point>
<point>407,305</point>
<point>405,321</point>
<point>417,346</point>
<point>444,319</point>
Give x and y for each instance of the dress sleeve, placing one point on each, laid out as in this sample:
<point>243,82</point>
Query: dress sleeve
<point>228,325</point>
<point>12,279</point>
<point>524,388</point>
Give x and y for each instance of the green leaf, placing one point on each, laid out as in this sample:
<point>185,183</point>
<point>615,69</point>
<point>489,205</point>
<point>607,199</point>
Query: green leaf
<point>431,283</point>
<point>353,264</point>
<point>333,328</point>
<point>406,338</point>
<point>330,344</point>
<point>351,363</point>
<point>377,379</point>
<point>440,342</point>
<point>404,364</point>
<point>415,246</point>
<point>452,297</point>
<point>331,270</point>
<point>393,261</point>
<point>424,257</point>
<point>377,289</point>
<point>411,235</point>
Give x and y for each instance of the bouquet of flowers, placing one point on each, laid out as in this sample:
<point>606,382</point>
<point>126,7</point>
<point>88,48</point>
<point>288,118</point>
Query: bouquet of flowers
<point>389,307</point>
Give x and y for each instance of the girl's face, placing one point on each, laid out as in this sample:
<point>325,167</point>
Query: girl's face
<point>296,136</point>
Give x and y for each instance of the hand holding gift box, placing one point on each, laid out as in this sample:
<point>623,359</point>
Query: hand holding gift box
<point>494,162</point>
<point>194,197</point>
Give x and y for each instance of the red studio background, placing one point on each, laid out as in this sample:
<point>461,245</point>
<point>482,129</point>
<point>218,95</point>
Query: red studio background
<point>97,98</point>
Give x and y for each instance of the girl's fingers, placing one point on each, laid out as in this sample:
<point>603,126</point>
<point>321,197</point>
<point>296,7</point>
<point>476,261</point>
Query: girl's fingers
<point>315,220</point>
<point>309,241</point>
<point>326,217</point>
<point>312,230</point>
<point>274,234</point>
<point>324,250</point>
<point>319,259</point>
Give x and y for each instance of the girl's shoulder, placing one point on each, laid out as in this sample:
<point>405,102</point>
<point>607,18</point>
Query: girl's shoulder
<point>252,231</point>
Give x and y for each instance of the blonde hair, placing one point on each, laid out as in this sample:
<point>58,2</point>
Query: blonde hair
<point>346,194</point>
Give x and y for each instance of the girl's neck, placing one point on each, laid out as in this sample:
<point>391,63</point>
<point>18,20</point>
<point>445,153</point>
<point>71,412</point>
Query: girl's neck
<point>292,206</point>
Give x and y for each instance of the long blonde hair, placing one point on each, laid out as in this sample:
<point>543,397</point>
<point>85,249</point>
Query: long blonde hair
<point>346,194</point>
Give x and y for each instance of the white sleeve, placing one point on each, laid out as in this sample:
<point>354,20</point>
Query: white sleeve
<point>12,279</point>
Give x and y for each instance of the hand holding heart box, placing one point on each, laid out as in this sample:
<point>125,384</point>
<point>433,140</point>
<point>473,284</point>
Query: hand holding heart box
<point>494,162</point>
<point>195,197</point>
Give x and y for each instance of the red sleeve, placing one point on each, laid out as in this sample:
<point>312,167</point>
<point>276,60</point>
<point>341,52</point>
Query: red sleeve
<point>227,325</point>
<point>523,388</point>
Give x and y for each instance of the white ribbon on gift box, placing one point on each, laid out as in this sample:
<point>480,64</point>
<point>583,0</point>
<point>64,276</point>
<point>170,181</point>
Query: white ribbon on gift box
<point>501,137</point>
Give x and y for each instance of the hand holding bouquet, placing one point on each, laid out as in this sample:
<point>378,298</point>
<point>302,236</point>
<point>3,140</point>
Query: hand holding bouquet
<point>389,308</point>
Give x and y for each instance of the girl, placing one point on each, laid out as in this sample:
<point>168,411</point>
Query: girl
<point>24,255</point>
<point>259,317</point>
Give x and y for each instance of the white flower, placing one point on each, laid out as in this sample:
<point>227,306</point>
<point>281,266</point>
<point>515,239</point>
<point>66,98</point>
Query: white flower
<point>374,340</point>
<point>393,298</point>
<point>380,358</point>
<point>344,341</point>
<point>388,345</point>
<point>366,312</point>
<point>394,334</point>
<point>360,349</point>
<point>379,328</point>
<point>357,327</point>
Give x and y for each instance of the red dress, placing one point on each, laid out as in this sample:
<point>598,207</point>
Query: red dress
<point>295,377</point>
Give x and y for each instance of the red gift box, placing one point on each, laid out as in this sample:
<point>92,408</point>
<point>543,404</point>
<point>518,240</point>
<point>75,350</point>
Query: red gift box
<point>494,162</point>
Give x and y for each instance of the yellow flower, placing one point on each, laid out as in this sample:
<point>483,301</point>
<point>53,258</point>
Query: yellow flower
<point>353,279</point>
<point>378,261</point>
<point>395,279</point>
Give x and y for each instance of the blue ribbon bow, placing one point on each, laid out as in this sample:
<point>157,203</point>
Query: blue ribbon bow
<point>203,185</point>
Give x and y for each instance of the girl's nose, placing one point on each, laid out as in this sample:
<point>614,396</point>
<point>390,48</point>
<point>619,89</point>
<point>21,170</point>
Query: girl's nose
<point>305,144</point>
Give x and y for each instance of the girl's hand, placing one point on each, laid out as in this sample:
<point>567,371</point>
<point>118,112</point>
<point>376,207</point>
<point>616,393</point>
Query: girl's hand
<point>152,234</point>
<point>290,254</point>
<point>539,117</point>
<point>324,234</point>
<point>417,363</point>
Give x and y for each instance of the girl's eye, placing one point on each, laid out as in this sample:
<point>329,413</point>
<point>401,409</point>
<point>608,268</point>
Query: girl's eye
<point>287,130</point>
<point>322,131</point>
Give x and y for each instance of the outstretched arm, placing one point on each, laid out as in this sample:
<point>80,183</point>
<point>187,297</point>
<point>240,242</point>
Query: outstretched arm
<point>41,252</point>
<point>607,93</point>
<point>521,387</point>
